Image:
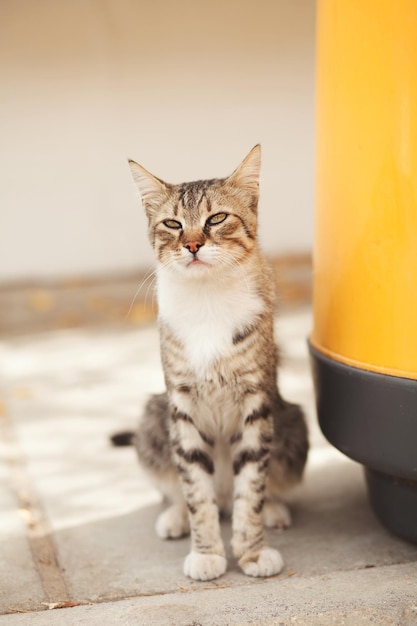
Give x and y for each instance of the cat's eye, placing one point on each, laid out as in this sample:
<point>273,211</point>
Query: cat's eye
<point>216,219</point>
<point>172,224</point>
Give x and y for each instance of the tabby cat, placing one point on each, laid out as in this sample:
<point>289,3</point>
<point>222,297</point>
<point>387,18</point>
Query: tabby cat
<point>221,439</point>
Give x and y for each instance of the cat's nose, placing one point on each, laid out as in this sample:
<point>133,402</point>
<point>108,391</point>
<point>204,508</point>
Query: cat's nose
<point>193,246</point>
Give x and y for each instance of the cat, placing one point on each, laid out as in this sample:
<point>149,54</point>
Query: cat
<point>221,439</point>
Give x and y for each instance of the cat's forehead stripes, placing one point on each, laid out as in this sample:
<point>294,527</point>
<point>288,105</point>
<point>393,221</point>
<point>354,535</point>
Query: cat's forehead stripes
<point>192,196</point>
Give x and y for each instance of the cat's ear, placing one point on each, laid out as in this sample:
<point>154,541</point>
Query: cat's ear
<point>152,190</point>
<point>246,176</point>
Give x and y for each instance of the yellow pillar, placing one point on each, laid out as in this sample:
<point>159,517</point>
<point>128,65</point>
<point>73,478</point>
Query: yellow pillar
<point>364,341</point>
<point>365,257</point>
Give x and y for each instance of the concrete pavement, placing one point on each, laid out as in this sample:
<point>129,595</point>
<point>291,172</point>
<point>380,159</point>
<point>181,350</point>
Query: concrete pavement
<point>77,516</point>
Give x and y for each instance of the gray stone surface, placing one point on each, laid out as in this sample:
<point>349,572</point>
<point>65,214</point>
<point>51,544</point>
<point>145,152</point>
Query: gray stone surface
<point>20,586</point>
<point>385,596</point>
<point>90,511</point>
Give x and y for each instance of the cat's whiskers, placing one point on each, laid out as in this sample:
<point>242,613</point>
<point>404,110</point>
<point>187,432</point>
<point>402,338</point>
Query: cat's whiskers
<point>149,276</point>
<point>172,261</point>
<point>148,288</point>
<point>231,262</point>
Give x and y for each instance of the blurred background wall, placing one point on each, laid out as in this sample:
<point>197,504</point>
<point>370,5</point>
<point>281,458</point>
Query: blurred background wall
<point>186,88</point>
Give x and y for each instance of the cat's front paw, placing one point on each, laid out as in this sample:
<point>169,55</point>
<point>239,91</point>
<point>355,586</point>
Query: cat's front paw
<point>276,514</point>
<point>267,562</point>
<point>204,566</point>
<point>173,523</point>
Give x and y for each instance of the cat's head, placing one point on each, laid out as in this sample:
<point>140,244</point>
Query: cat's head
<point>206,225</point>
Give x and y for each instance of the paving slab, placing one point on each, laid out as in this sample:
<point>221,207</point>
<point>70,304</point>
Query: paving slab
<point>20,584</point>
<point>384,597</point>
<point>120,555</point>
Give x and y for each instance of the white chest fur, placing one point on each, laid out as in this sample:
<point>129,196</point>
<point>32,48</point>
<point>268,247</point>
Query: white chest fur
<point>204,314</point>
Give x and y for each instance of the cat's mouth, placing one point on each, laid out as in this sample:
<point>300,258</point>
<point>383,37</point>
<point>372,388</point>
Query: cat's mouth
<point>195,262</point>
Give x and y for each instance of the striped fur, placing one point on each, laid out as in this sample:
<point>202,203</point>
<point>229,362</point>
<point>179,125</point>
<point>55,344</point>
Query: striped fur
<point>221,438</point>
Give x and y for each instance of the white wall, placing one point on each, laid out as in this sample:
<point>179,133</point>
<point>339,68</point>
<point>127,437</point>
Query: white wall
<point>186,88</point>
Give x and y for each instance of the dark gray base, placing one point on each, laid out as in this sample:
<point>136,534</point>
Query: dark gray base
<point>394,500</point>
<point>372,418</point>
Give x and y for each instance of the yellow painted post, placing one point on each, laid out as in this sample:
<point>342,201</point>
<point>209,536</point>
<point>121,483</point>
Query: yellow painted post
<point>365,253</point>
<point>365,257</point>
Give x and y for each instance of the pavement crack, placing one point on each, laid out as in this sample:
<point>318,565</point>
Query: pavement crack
<point>39,532</point>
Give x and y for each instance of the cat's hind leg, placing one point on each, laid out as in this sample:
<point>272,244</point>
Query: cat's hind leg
<point>276,514</point>
<point>286,465</point>
<point>173,523</point>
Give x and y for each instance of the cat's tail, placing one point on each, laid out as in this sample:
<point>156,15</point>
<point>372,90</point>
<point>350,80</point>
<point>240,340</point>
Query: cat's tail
<point>123,438</point>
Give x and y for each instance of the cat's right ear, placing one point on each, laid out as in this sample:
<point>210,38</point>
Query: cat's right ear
<point>152,190</point>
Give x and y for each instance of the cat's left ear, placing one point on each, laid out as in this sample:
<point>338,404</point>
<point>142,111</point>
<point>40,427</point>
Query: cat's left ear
<point>246,176</point>
<point>153,191</point>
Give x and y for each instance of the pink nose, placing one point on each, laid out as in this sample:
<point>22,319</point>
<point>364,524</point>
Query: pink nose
<point>193,246</point>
